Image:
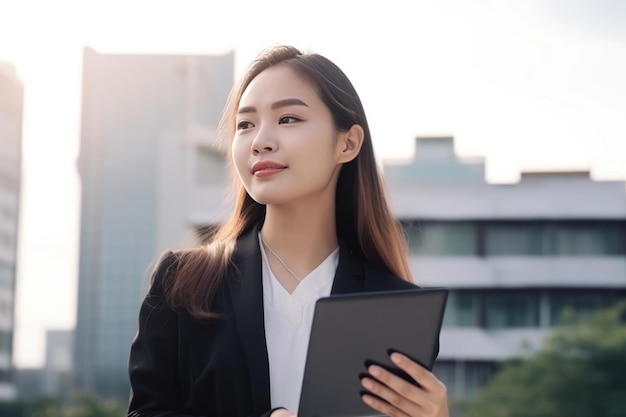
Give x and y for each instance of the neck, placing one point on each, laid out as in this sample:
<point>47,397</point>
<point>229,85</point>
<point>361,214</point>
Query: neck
<point>302,238</point>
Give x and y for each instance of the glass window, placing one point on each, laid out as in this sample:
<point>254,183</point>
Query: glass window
<point>441,239</point>
<point>504,310</point>
<point>5,341</point>
<point>588,239</point>
<point>445,371</point>
<point>463,379</point>
<point>477,375</point>
<point>515,239</point>
<point>582,305</point>
<point>554,238</point>
<point>461,310</point>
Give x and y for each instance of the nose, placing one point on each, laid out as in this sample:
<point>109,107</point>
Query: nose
<point>263,142</point>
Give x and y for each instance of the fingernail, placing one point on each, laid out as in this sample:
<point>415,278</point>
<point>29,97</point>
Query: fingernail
<point>367,383</point>
<point>396,358</point>
<point>374,370</point>
<point>367,400</point>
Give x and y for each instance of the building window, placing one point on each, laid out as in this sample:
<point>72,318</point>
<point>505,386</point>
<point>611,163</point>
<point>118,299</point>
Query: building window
<point>210,166</point>
<point>510,310</point>
<point>461,309</point>
<point>514,239</point>
<point>442,239</point>
<point>6,375</point>
<point>554,239</point>
<point>445,371</point>
<point>5,341</point>
<point>514,308</point>
<point>477,375</point>
<point>582,305</point>
<point>464,378</point>
<point>587,239</point>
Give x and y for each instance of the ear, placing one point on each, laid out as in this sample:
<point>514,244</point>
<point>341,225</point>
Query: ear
<point>349,143</point>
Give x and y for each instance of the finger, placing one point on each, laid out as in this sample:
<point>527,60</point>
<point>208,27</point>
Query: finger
<point>400,401</point>
<point>383,407</point>
<point>421,375</point>
<point>402,387</point>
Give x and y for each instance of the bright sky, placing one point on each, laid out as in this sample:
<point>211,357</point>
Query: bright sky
<point>529,84</point>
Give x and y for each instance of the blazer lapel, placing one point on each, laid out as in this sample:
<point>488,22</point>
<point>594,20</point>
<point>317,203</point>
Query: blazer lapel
<point>246,290</point>
<point>354,275</point>
<point>349,276</point>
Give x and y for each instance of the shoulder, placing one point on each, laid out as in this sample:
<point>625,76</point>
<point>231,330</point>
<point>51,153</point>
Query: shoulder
<point>165,271</point>
<point>165,264</point>
<point>165,267</point>
<point>170,261</point>
<point>163,274</point>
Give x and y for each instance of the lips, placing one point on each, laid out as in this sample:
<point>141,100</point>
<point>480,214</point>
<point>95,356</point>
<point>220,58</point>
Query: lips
<point>263,168</point>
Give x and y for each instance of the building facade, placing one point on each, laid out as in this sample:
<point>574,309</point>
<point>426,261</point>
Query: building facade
<point>56,374</point>
<point>514,256</point>
<point>147,134</point>
<point>11,105</point>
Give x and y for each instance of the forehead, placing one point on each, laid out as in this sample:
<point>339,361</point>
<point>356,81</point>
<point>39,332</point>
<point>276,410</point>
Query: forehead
<point>277,83</point>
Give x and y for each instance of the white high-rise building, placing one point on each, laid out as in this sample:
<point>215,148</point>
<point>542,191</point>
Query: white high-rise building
<point>11,104</point>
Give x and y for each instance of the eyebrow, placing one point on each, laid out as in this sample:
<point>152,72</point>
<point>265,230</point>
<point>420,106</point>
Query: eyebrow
<point>276,105</point>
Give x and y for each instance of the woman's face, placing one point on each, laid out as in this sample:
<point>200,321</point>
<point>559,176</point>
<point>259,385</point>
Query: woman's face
<point>285,146</point>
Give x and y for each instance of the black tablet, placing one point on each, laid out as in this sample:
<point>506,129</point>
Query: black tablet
<point>351,331</point>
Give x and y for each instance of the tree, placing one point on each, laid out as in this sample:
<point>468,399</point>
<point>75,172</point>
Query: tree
<point>90,406</point>
<point>580,372</point>
<point>86,406</point>
<point>24,408</point>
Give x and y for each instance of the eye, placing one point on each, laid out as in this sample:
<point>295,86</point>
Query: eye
<point>288,120</point>
<point>243,125</point>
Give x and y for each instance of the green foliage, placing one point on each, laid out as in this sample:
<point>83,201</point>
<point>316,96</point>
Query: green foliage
<point>580,372</point>
<point>23,408</point>
<point>85,406</point>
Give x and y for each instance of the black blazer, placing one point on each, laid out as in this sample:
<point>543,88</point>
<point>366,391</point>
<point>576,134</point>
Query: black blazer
<point>181,366</point>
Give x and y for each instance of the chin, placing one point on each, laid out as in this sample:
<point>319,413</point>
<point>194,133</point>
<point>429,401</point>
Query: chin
<point>264,198</point>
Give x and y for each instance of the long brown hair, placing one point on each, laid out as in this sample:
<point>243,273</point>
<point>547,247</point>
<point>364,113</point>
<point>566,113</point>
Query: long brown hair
<point>365,223</point>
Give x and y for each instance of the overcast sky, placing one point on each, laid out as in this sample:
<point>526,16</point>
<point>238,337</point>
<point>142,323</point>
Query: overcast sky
<point>528,84</point>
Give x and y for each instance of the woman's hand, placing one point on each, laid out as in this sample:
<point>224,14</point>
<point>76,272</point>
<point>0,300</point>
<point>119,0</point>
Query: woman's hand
<point>402,398</point>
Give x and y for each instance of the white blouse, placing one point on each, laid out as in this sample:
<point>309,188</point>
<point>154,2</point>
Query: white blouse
<point>288,320</point>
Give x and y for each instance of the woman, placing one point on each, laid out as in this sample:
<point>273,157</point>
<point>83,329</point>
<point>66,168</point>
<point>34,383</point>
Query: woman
<point>225,326</point>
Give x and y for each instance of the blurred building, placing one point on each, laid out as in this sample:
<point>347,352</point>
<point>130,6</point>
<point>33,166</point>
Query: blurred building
<point>148,128</point>
<point>11,103</point>
<point>57,371</point>
<point>28,383</point>
<point>514,256</point>
<point>54,379</point>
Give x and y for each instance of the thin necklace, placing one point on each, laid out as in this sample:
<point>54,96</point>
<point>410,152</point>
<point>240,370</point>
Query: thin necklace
<point>279,259</point>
